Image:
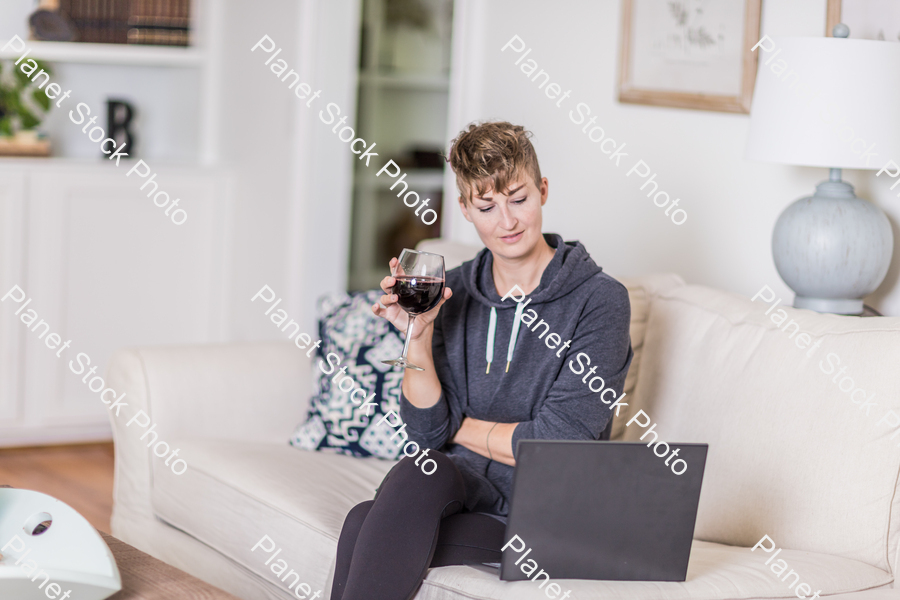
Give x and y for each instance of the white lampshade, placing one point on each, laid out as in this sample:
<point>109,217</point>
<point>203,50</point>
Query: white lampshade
<point>854,84</point>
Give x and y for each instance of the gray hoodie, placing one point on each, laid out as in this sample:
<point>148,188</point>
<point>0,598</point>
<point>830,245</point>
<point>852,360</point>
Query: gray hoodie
<point>545,388</point>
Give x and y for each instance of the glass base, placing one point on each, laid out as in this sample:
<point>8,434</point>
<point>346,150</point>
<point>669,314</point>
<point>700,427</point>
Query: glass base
<point>402,362</point>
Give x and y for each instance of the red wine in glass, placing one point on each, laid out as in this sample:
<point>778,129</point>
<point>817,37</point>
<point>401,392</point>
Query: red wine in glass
<point>417,295</point>
<point>419,287</point>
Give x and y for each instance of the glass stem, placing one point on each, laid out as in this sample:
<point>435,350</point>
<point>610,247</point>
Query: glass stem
<point>409,330</point>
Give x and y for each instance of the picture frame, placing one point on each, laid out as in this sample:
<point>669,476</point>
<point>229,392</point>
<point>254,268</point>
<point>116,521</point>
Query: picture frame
<point>693,54</point>
<point>867,19</point>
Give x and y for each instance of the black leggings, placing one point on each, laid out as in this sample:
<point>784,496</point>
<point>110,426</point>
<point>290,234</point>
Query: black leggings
<point>415,522</point>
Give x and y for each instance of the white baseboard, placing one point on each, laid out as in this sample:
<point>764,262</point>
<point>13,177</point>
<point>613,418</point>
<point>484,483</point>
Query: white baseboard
<point>44,435</point>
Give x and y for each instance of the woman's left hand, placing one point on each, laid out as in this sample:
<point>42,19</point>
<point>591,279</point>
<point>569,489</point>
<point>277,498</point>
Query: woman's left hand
<point>475,435</point>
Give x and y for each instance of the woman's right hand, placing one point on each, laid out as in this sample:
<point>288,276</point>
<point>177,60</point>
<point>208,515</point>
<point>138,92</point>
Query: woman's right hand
<point>398,317</point>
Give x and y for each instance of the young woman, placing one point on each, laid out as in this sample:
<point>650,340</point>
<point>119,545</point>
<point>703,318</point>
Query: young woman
<point>495,372</point>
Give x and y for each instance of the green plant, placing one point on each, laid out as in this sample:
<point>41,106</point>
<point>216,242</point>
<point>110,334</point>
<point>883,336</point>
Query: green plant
<point>17,93</point>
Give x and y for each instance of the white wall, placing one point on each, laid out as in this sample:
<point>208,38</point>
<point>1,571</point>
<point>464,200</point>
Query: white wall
<point>318,223</point>
<point>732,203</point>
<point>14,17</point>
<point>279,193</point>
<point>255,145</point>
<point>293,176</point>
<point>290,224</point>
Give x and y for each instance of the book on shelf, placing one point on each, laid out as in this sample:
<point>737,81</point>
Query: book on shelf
<point>98,21</point>
<point>160,22</point>
<point>155,22</point>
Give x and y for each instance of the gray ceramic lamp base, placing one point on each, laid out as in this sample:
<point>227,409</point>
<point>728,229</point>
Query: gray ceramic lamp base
<point>837,306</point>
<point>832,249</point>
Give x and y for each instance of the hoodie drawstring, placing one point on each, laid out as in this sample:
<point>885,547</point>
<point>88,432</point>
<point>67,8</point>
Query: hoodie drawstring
<point>514,335</point>
<point>492,328</point>
<point>520,308</point>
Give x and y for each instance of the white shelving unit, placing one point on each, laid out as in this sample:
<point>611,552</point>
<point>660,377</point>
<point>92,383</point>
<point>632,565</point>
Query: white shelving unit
<point>400,109</point>
<point>430,179</point>
<point>194,70</point>
<point>72,224</point>
<point>109,54</point>
<point>409,81</point>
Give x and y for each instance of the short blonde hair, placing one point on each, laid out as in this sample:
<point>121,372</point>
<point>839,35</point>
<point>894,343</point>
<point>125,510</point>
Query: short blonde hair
<point>491,156</point>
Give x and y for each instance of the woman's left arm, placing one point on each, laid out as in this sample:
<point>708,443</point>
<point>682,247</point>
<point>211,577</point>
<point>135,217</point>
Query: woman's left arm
<point>493,440</point>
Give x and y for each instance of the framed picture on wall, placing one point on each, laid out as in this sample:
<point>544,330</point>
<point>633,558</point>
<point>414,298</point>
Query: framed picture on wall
<point>867,19</point>
<point>689,53</point>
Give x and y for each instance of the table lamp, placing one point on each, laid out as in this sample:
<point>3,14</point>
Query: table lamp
<point>825,102</point>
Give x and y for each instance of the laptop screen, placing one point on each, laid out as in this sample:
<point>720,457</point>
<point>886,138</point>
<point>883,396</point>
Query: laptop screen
<point>602,510</point>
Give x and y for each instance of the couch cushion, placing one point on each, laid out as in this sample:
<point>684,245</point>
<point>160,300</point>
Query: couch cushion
<point>715,572</point>
<point>337,420</point>
<point>640,291</point>
<point>235,493</point>
<point>791,455</point>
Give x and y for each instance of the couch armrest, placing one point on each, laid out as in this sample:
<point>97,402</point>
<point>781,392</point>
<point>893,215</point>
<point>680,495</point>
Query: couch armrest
<point>246,392</point>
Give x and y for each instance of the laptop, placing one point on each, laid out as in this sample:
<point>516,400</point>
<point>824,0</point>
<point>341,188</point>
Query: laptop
<point>602,510</point>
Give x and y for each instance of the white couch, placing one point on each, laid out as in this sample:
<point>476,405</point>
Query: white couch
<point>790,455</point>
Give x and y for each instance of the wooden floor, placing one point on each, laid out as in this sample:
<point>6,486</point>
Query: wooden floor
<point>81,476</point>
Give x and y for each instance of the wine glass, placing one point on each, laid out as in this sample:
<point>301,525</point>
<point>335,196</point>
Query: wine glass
<point>419,287</point>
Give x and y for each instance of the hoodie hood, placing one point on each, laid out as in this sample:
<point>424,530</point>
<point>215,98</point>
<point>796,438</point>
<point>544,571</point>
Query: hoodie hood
<point>570,267</point>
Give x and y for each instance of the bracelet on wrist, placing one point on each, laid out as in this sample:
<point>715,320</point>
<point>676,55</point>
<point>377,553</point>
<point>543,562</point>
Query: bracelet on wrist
<point>488,441</point>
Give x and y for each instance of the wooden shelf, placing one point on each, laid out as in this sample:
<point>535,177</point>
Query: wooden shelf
<point>60,164</point>
<point>12,148</point>
<point>110,54</point>
<point>432,83</point>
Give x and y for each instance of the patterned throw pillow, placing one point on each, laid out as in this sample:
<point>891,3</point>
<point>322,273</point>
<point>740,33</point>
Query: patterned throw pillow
<point>348,328</point>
